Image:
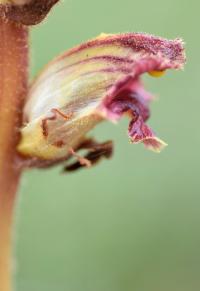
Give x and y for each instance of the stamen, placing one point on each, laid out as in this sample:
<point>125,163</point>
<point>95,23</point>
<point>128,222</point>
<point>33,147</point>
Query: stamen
<point>156,74</point>
<point>83,161</point>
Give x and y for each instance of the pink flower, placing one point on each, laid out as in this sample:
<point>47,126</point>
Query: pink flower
<point>98,80</point>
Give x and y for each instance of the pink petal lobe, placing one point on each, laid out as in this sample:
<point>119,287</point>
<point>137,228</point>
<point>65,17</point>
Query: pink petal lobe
<point>134,101</point>
<point>140,132</point>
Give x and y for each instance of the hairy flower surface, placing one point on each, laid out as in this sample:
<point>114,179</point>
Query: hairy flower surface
<point>97,80</point>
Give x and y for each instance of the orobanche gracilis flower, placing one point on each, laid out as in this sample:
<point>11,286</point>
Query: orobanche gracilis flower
<point>98,80</point>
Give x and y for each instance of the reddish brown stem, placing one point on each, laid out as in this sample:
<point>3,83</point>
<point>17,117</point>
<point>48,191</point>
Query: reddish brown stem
<point>13,90</point>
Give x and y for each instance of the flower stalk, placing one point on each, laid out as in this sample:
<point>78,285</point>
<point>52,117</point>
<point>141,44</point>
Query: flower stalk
<point>13,90</point>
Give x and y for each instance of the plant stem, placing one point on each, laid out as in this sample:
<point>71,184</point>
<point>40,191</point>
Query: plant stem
<point>13,90</point>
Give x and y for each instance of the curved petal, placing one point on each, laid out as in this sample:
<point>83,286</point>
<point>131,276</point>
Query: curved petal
<point>97,80</point>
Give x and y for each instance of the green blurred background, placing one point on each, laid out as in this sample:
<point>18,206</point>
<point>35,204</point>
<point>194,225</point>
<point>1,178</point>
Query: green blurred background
<point>132,223</point>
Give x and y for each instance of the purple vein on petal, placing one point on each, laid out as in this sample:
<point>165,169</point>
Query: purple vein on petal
<point>108,60</point>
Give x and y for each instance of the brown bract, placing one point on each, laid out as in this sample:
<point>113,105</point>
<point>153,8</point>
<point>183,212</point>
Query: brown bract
<point>27,12</point>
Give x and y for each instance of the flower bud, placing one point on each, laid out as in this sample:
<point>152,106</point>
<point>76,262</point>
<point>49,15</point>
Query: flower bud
<point>98,80</point>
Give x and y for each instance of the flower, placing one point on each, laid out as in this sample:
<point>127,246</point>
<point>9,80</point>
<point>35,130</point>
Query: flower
<point>27,12</point>
<point>98,80</point>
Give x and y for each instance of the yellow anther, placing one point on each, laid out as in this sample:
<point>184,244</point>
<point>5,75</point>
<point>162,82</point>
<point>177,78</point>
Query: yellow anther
<point>156,74</point>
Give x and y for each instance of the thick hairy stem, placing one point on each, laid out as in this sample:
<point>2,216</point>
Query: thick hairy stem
<point>13,89</point>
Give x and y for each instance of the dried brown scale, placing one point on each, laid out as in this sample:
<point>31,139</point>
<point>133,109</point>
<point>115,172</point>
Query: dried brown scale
<point>95,151</point>
<point>31,13</point>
